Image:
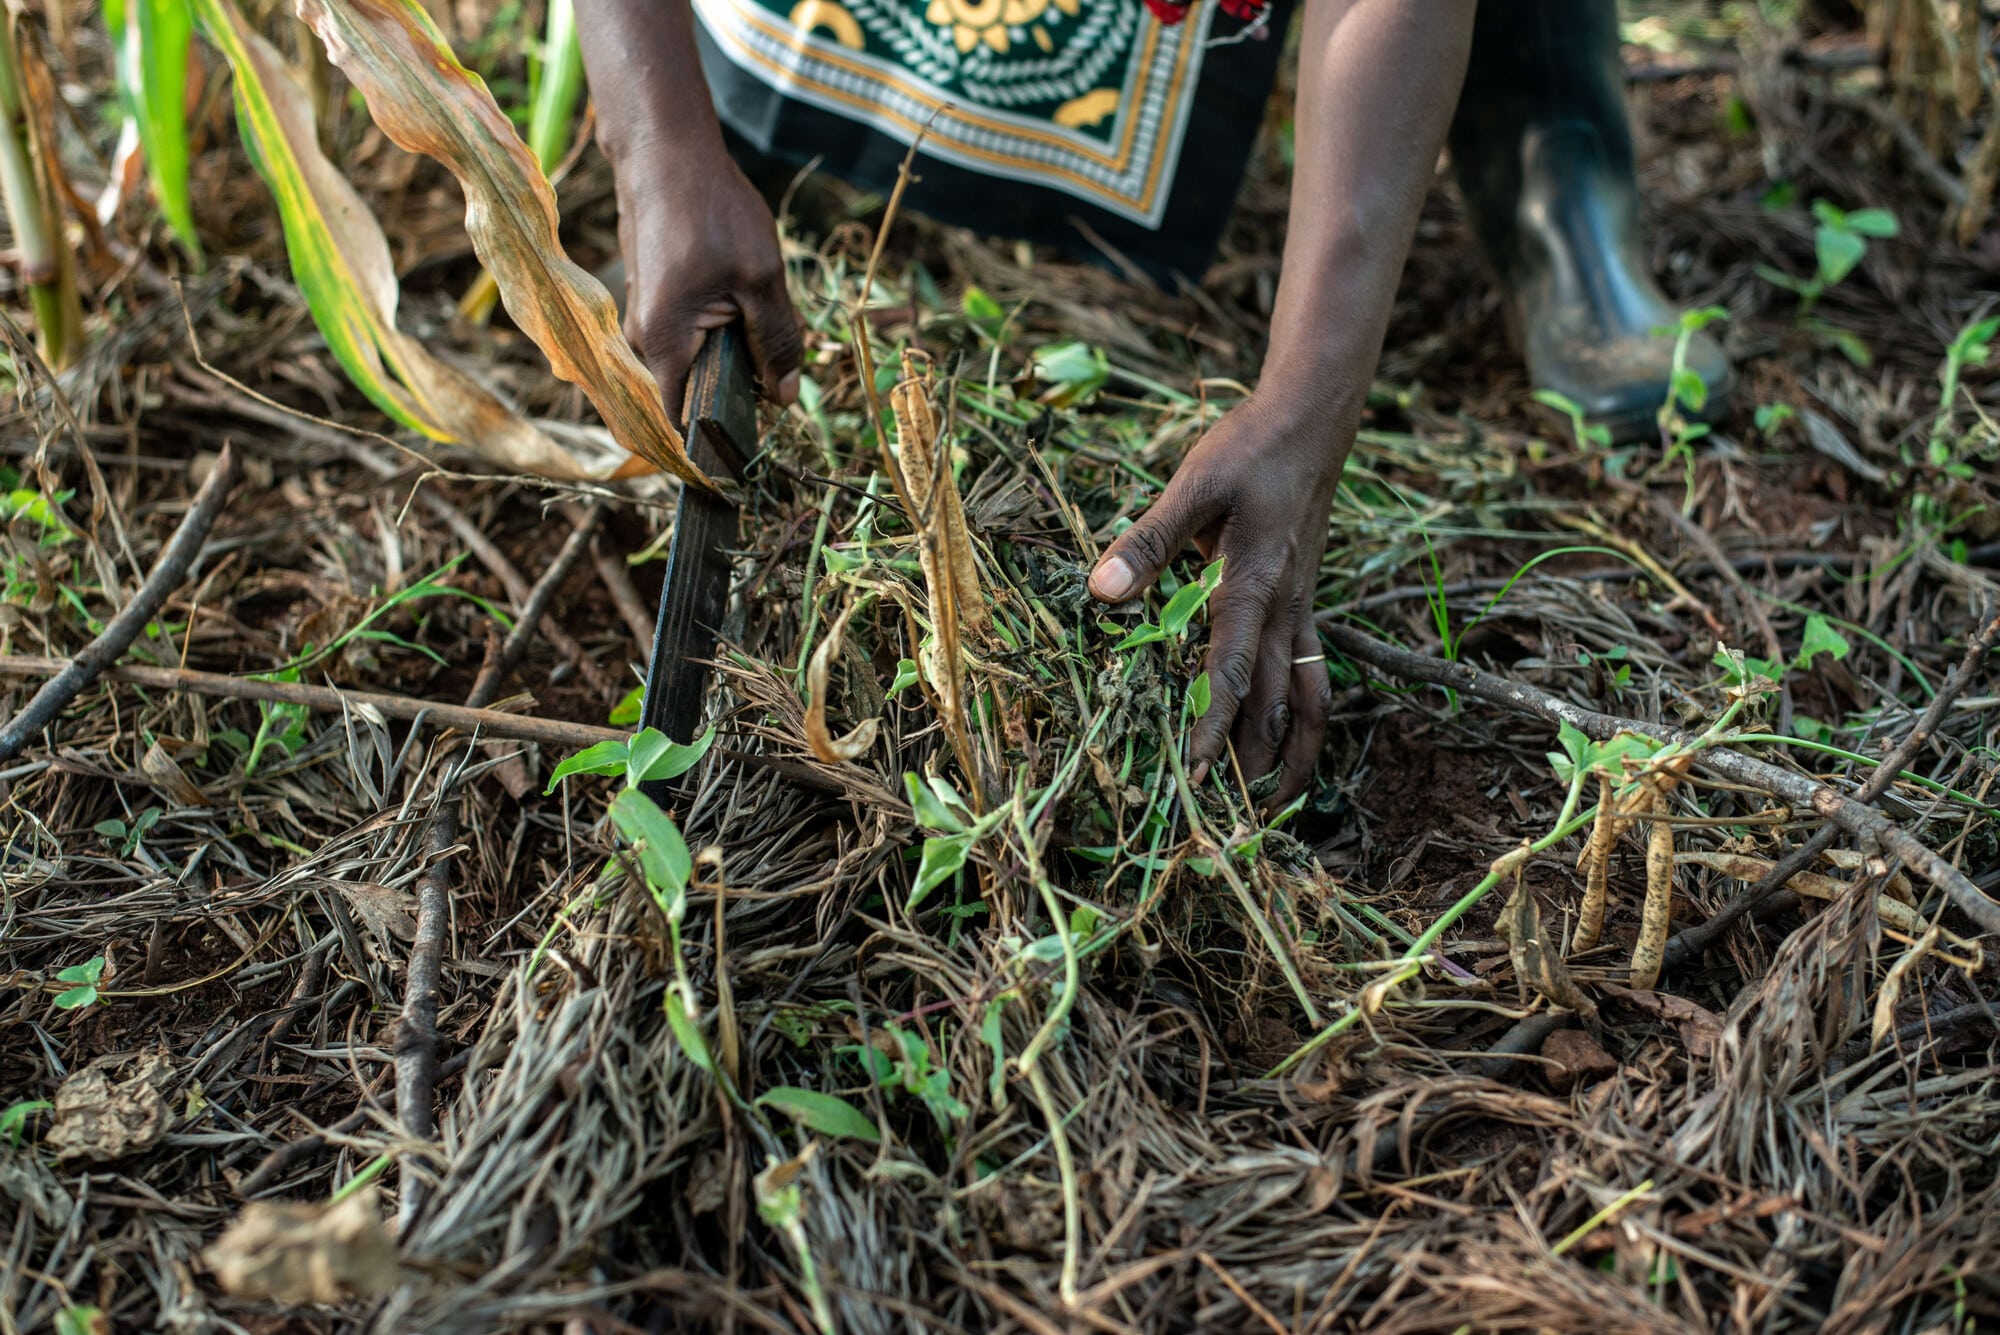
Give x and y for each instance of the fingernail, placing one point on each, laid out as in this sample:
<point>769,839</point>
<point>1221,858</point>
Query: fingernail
<point>1200,773</point>
<point>1112,581</point>
<point>788,389</point>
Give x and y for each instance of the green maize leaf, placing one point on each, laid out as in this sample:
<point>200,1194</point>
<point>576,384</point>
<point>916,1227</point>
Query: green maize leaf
<point>151,40</point>
<point>558,86</point>
<point>341,263</point>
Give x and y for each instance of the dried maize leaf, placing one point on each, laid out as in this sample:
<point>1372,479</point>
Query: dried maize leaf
<point>426,102</point>
<point>340,261</point>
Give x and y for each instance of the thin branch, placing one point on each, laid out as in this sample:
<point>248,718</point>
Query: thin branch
<point>1800,790</point>
<point>416,1031</point>
<point>1694,941</point>
<point>168,574</point>
<point>491,723</point>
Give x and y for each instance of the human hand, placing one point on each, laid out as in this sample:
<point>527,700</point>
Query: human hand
<point>1255,490</point>
<point>701,250</point>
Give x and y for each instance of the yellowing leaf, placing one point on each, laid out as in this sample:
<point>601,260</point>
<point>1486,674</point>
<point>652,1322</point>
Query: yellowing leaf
<point>424,100</point>
<point>341,263</point>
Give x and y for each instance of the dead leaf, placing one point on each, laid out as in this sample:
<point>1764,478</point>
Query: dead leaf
<point>293,1254</point>
<point>1537,962</point>
<point>1700,1028</point>
<point>1574,1058</point>
<point>1891,994</point>
<point>824,744</point>
<point>388,914</point>
<point>1649,951</point>
<point>424,100</point>
<point>169,779</point>
<point>113,1108</point>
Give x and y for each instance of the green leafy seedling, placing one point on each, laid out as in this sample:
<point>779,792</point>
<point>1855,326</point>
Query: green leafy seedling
<point>1179,611</point>
<point>1588,434</point>
<point>649,756</point>
<point>84,978</point>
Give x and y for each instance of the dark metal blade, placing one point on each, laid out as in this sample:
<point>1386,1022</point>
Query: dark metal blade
<point>721,418</point>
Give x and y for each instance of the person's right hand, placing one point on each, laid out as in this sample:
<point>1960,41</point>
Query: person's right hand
<point>701,249</point>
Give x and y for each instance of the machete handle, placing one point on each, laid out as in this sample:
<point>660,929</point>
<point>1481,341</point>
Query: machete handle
<point>721,404</point>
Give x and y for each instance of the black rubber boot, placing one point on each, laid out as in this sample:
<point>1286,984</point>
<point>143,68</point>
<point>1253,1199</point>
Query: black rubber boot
<point>1543,154</point>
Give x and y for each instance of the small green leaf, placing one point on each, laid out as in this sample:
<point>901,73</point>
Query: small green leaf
<point>663,854</point>
<point>983,311</point>
<point>110,829</point>
<point>906,677</point>
<point>656,757</point>
<point>607,757</point>
<point>1690,389</point>
<point>1180,608</point>
<point>1198,696</point>
<point>824,1113</point>
<point>80,1321</point>
<point>627,711</point>
<point>1838,252</point>
<point>943,856</point>
<point>90,971</point>
<point>14,1119</point>
<point>686,1033</point>
<point>1145,633</point>
<point>77,996</point>
<point>1771,416</point>
<point>1821,638</point>
<point>989,1032</point>
<point>1873,222</point>
<point>1074,372</point>
<point>934,811</point>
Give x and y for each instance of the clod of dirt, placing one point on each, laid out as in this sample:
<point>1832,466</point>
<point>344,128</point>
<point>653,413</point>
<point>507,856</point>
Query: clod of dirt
<point>112,1108</point>
<point>1575,1059</point>
<point>292,1254</point>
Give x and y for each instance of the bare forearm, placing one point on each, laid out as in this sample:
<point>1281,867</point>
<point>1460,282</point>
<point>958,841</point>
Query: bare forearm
<point>1378,80</point>
<point>645,77</point>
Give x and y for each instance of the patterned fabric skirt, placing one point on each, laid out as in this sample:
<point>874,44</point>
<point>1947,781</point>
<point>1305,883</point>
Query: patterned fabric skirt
<point>1087,124</point>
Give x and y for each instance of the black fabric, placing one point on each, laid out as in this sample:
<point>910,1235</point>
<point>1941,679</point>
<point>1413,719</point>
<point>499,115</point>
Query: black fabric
<point>771,134</point>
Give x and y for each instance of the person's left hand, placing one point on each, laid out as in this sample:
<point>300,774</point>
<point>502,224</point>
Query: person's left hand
<point>1255,490</point>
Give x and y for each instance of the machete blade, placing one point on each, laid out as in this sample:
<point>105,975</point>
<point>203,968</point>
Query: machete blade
<point>721,418</point>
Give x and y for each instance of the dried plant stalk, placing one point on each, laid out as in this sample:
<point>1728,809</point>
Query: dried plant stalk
<point>1596,863</point>
<point>951,572</point>
<point>1651,947</point>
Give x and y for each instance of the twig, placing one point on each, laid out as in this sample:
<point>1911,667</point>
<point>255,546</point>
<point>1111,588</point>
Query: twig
<point>167,574</point>
<point>1856,818</point>
<point>493,723</point>
<point>1524,1038</point>
<point>1777,562</point>
<point>617,577</point>
<point>1695,941</point>
<point>416,1030</point>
